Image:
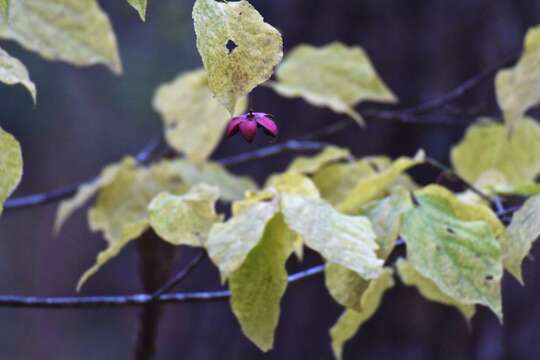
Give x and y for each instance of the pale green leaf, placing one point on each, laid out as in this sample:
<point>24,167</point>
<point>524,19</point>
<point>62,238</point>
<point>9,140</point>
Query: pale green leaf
<point>374,186</point>
<point>239,50</point>
<point>345,240</point>
<point>335,181</point>
<point>230,243</point>
<point>75,31</point>
<point>4,8</point>
<point>523,231</point>
<point>350,321</point>
<point>311,164</point>
<point>129,232</point>
<point>386,217</point>
<point>85,192</point>
<point>486,147</point>
<point>518,88</point>
<point>12,72</point>
<point>259,284</point>
<point>345,286</point>
<point>194,121</point>
<point>463,258</point>
<point>11,166</point>
<point>429,289</point>
<point>185,219</point>
<point>344,77</point>
<point>294,184</point>
<point>120,211</point>
<point>231,187</point>
<point>140,6</point>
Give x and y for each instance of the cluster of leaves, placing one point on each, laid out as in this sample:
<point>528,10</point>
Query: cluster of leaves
<point>351,211</point>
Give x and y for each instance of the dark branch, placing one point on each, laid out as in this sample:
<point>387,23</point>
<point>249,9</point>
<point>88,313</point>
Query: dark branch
<point>133,300</point>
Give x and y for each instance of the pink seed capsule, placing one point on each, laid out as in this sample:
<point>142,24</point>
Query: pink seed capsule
<point>248,123</point>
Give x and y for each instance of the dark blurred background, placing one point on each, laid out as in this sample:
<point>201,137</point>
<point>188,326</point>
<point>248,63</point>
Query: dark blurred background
<point>87,118</point>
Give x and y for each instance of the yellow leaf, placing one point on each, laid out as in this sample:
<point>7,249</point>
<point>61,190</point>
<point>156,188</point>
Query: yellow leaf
<point>429,289</point>
<point>518,88</point>
<point>11,166</point>
<point>194,121</point>
<point>375,186</point>
<point>185,219</point>
<point>486,147</point>
<point>523,231</point>
<point>345,286</point>
<point>310,165</point>
<point>345,77</point>
<point>75,31</point>
<point>350,321</point>
<point>259,284</point>
<point>140,6</point>
<point>239,50</point>
<point>12,72</point>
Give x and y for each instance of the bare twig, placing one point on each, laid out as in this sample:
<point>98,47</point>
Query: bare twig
<point>133,300</point>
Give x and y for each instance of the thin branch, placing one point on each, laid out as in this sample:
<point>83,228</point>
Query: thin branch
<point>178,278</point>
<point>133,300</point>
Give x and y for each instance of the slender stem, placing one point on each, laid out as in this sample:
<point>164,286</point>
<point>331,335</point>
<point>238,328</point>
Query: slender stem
<point>133,300</point>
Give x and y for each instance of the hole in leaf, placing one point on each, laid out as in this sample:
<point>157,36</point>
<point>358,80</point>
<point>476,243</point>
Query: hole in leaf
<point>231,45</point>
<point>489,278</point>
<point>450,230</point>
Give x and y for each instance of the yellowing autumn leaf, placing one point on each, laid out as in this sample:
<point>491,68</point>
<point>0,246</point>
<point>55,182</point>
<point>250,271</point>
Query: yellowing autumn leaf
<point>74,31</point>
<point>375,186</point>
<point>185,219</point>
<point>523,231</point>
<point>120,211</point>
<point>12,72</point>
<point>140,6</point>
<point>194,121</point>
<point>259,284</point>
<point>429,289</point>
<point>341,239</point>
<point>518,88</point>
<point>486,146</point>
<point>345,286</point>
<point>239,50</point>
<point>350,321</point>
<point>230,243</point>
<point>344,78</point>
<point>311,164</point>
<point>463,258</point>
<point>11,166</point>
<point>231,187</point>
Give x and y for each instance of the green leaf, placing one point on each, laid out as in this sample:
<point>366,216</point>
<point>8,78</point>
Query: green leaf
<point>12,72</point>
<point>349,323</point>
<point>239,50</point>
<point>120,211</point>
<point>311,164</point>
<point>523,231</point>
<point>345,240</point>
<point>194,121</point>
<point>345,77</point>
<point>518,88</point>
<point>486,147</point>
<point>75,31</point>
<point>140,6</point>
<point>386,218</point>
<point>230,243</point>
<point>185,219</point>
<point>11,166</point>
<point>374,186</point>
<point>335,181</point>
<point>345,286</point>
<point>4,8</point>
<point>231,187</point>
<point>463,258</point>
<point>429,289</point>
<point>294,184</point>
<point>259,284</point>
<point>85,192</point>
